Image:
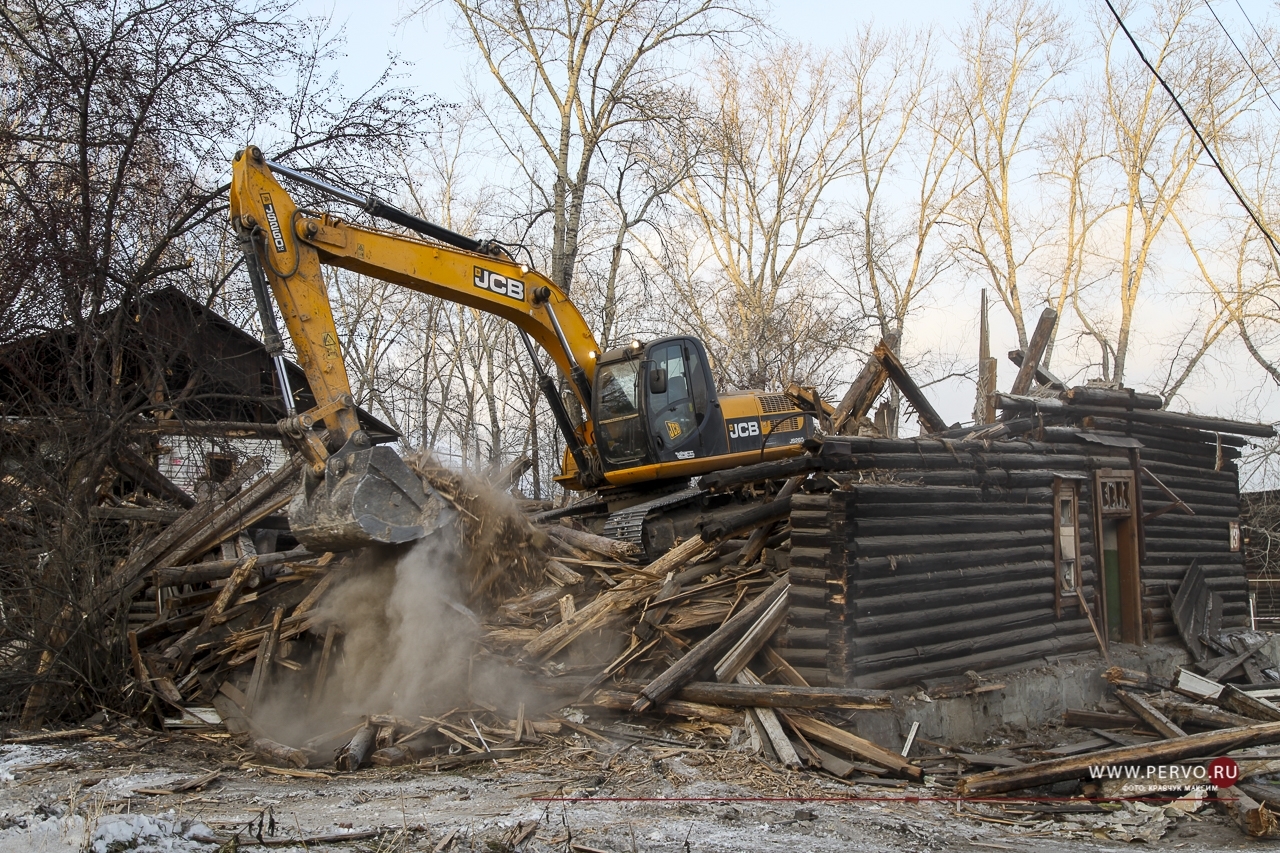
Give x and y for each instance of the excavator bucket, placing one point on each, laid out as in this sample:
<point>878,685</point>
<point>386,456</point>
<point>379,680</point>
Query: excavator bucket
<point>366,495</point>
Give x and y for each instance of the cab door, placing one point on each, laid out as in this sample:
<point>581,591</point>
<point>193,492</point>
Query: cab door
<point>681,401</point>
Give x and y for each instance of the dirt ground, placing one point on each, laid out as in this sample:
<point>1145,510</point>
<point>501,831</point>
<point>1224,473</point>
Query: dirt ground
<point>107,794</point>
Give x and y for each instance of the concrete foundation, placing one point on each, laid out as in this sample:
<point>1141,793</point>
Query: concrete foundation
<point>1031,697</point>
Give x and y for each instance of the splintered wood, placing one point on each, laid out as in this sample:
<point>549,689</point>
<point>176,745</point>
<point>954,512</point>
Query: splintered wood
<point>584,618</point>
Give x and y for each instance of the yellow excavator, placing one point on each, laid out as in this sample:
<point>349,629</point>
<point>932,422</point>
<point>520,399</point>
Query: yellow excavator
<point>650,417</point>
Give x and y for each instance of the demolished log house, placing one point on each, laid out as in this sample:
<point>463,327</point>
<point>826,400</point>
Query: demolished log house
<point>977,548</point>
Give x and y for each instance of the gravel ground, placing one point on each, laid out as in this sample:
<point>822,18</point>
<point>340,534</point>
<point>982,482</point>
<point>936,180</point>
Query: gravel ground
<point>106,795</point>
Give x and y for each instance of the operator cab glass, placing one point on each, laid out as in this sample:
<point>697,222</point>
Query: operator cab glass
<point>673,415</point>
<point>620,429</point>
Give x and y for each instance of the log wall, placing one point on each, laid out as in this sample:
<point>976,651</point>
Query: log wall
<point>935,558</point>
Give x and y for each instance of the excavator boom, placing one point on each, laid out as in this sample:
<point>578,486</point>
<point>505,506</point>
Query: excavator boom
<point>650,414</point>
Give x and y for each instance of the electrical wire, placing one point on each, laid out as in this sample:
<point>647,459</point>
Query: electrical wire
<point>1258,36</point>
<point>1243,58</point>
<point>1271,240</point>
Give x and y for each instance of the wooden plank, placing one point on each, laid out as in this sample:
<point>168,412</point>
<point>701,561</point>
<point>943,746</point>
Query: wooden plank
<point>1156,752</point>
<point>1036,347</point>
<point>262,666</point>
<point>783,696</point>
<point>736,659</point>
<point>708,650</point>
<point>1238,701</point>
<point>322,670</point>
<point>1188,608</point>
<point>1147,712</point>
<point>854,745</point>
<point>1098,719</point>
<point>772,727</point>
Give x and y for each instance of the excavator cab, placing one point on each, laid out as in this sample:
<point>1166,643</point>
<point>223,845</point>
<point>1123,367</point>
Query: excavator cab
<point>657,416</point>
<point>656,404</point>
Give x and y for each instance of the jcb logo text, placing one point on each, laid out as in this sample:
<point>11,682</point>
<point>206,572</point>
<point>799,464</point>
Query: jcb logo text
<point>500,284</point>
<point>744,429</point>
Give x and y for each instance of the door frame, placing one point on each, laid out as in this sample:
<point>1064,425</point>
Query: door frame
<point>1115,499</point>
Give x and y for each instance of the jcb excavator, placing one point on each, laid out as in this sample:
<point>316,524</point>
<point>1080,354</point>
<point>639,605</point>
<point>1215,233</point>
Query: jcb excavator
<point>650,415</point>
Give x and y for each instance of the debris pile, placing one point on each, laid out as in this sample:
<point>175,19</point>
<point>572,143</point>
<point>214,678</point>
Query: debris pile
<point>552,639</point>
<point>573,617</point>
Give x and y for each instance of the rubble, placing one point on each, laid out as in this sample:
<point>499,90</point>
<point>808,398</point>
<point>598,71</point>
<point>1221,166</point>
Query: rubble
<point>596,649</point>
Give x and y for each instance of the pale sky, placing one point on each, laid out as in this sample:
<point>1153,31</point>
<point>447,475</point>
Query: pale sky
<point>1230,386</point>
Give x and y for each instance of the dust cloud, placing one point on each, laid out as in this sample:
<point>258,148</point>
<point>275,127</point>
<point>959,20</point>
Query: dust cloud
<point>407,641</point>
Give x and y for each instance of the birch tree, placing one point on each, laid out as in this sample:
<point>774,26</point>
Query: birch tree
<point>572,76</point>
<point>1013,54</point>
<point>748,275</point>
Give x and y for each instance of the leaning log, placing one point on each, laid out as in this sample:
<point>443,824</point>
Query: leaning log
<point>708,651</point>
<point>351,756</point>
<point>925,412</point>
<point>863,391</point>
<point>1036,347</point>
<point>1076,767</point>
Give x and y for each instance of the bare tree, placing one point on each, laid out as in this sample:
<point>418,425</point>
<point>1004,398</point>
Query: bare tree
<point>747,269</point>
<point>577,73</point>
<point>121,120</point>
<point>1153,151</point>
<point>903,150</point>
<point>1013,54</point>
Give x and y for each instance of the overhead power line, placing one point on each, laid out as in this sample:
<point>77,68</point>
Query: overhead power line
<point>1243,58</point>
<point>1271,240</point>
<point>1258,36</point>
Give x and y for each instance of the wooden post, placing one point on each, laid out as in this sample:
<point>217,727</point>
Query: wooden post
<point>1035,351</point>
<point>863,392</point>
<point>984,407</point>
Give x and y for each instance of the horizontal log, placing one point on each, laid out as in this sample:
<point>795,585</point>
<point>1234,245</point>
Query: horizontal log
<point>1125,398</point>
<point>747,519</point>
<point>1172,468</point>
<point>864,567</point>
<point>782,696</point>
<point>1006,656</point>
<point>883,546</point>
<point>945,595</point>
<point>720,480</point>
<point>1039,773</point>
<point>1037,500</point>
<point>963,647</point>
<point>1014,521</point>
<point>860,445</point>
<point>944,461</point>
<point>964,578</point>
<point>1169,433</point>
<point>875,625</point>
<point>221,569</point>
<point>1158,418</point>
<point>942,634</point>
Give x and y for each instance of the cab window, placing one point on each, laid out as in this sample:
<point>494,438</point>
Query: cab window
<point>619,429</point>
<point>671,411</point>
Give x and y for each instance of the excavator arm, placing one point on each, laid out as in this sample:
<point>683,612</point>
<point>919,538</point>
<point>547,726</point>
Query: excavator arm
<point>285,248</point>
